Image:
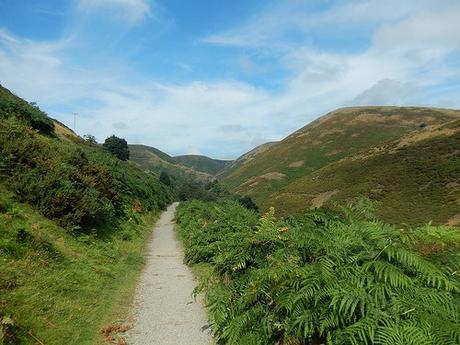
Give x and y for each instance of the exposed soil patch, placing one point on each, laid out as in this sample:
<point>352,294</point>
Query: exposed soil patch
<point>273,176</point>
<point>427,134</point>
<point>378,188</point>
<point>455,220</point>
<point>452,185</point>
<point>296,164</point>
<point>333,153</point>
<point>320,199</point>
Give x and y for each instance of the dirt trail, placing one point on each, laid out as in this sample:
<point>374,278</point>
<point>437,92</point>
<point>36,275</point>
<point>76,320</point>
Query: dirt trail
<point>164,311</point>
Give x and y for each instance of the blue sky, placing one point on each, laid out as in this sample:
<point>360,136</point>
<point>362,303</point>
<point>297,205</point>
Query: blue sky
<point>220,77</point>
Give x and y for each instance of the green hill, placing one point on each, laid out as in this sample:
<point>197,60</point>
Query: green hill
<point>193,167</point>
<point>73,222</point>
<point>248,156</point>
<point>152,159</point>
<point>202,163</point>
<point>407,158</point>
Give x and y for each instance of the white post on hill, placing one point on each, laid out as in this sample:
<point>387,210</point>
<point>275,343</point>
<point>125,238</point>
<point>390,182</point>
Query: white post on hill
<point>75,122</point>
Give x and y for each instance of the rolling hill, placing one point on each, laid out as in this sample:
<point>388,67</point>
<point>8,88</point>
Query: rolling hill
<point>194,167</point>
<point>201,163</point>
<point>405,158</point>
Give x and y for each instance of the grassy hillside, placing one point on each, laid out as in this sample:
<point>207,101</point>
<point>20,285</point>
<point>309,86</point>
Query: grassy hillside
<point>197,167</point>
<point>60,288</point>
<point>151,159</point>
<point>406,158</point>
<point>73,220</point>
<point>202,163</point>
<point>323,277</point>
<point>247,157</point>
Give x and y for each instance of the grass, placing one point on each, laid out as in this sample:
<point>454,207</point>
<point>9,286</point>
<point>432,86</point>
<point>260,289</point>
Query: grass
<point>62,289</point>
<point>201,163</point>
<point>151,159</point>
<point>410,183</point>
<point>327,150</point>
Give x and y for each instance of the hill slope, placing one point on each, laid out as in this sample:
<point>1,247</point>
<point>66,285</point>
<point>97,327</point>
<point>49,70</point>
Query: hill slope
<point>248,156</point>
<point>407,158</point>
<point>193,167</point>
<point>73,222</point>
<point>201,163</point>
<point>152,159</point>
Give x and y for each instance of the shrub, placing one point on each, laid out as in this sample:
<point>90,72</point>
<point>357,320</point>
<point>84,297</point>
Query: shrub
<point>164,178</point>
<point>78,185</point>
<point>90,139</point>
<point>322,279</point>
<point>117,146</point>
<point>29,114</point>
<point>247,202</point>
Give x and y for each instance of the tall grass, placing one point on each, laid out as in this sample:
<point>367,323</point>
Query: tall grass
<point>59,288</point>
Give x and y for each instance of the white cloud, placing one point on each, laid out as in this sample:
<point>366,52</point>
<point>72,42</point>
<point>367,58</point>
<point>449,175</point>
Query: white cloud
<point>386,92</point>
<point>405,61</point>
<point>132,11</point>
<point>265,28</point>
<point>434,30</point>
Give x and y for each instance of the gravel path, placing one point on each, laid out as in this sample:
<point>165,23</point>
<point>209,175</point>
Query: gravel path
<point>164,311</point>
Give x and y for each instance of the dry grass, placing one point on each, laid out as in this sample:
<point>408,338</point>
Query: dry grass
<point>112,333</point>
<point>320,199</point>
<point>296,164</point>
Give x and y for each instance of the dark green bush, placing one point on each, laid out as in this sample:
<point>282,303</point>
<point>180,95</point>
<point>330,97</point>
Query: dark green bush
<point>247,202</point>
<point>29,114</point>
<point>79,185</point>
<point>117,146</point>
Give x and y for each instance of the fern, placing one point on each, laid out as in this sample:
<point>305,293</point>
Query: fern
<point>321,279</point>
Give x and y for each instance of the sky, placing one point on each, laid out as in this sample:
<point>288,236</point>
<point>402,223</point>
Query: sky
<point>219,77</point>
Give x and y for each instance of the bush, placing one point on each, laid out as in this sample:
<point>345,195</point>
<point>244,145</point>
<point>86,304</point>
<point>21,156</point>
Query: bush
<point>164,178</point>
<point>29,114</point>
<point>247,202</point>
<point>78,185</point>
<point>118,147</point>
<point>322,279</point>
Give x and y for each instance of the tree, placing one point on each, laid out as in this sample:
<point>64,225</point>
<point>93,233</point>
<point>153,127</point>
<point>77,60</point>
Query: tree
<point>90,139</point>
<point>247,202</point>
<point>118,147</point>
<point>165,179</point>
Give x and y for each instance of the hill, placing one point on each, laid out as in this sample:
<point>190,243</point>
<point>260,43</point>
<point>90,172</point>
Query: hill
<point>152,159</point>
<point>248,156</point>
<point>73,222</point>
<point>406,158</point>
<point>193,167</point>
<point>202,163</point>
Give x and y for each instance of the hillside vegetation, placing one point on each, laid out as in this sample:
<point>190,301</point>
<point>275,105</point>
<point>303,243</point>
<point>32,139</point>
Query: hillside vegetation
<point>202,163</point>
<point>60,288</point>
<point>196,167</point>
<point>323,278</point>
<point>73,219</point>
<point>405,158</point>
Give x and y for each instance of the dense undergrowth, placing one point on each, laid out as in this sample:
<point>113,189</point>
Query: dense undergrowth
<point>60,288</point>
<point>73,223</point>
<point>74,182</point>
<point>323,278</point>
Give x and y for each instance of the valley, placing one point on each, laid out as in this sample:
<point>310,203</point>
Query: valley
<point>218,172</point>
<point>307,240</point>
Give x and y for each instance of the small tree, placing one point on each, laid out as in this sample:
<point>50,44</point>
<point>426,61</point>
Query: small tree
<point>247,202</point>
<point>90,139</point>
<point>165,179</point>
<point>118,147</point>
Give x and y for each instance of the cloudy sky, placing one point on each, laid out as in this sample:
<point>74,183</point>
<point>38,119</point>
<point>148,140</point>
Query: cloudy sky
<point>219,77</point>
